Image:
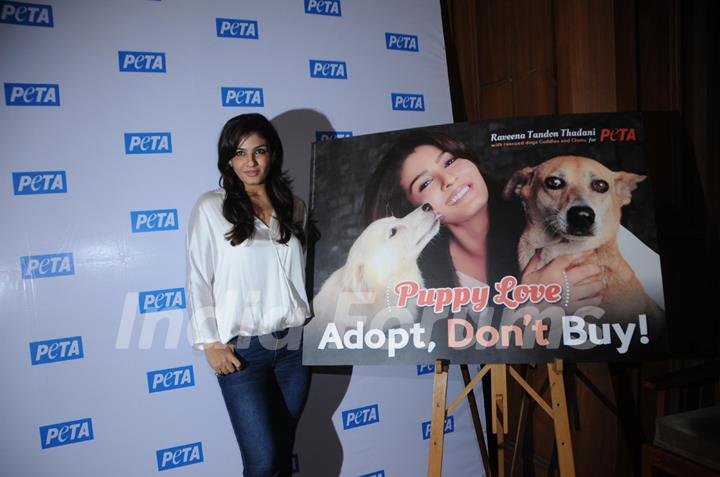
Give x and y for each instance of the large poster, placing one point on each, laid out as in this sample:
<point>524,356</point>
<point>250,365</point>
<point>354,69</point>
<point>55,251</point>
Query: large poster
<point>516,240</point>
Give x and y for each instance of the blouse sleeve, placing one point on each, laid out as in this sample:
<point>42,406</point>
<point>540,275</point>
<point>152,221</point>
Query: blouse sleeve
<point>200,278</point>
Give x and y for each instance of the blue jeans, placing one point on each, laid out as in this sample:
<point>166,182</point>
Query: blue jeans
<point>264,400</point>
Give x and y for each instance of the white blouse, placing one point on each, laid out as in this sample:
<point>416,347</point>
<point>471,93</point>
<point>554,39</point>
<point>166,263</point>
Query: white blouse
<point>253,288</point>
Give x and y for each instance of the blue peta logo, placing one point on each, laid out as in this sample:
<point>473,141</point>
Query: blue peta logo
<point>425,369</point>
<point>449,427</point>
<point>179,456</point>
<point>242,97</point>
<point>153,301</point>
<point>236,28</point>
<point>400,41</point>
<point>153,220</point>
<point>148,143</point>
<point>361,416</point>
<point>323,7</point>
<point>172,378</point>
<point>141,62</point>
<point>329,135</point>
<point>52,351</point>
<point>39,182</point>
<point>32,94</point>
<point>44,266</point>
<point>29,14</point>
<point>408,102</point>
<point>377,473</point>
<point>64,433</point>
<point>328,69</point>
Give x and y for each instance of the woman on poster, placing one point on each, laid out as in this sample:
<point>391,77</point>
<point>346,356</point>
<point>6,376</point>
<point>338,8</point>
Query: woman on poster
<point>246,292</point>
<point>477,244</point>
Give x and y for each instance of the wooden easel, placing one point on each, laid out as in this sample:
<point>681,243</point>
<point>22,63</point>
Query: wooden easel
<point>558,412</point>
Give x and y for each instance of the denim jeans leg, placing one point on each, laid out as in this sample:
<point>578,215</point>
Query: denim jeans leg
<point>293,380</point>
<point>251,412</point>
<point>264,400</point>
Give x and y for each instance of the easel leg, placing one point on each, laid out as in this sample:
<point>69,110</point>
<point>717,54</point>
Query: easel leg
<point>522,425</point>
<point>477,423</point>
<point>560,419</point>
<point>498,385</point>
<point>437,423</point>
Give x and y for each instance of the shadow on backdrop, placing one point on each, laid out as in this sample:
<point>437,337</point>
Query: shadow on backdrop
<point>318,446</point>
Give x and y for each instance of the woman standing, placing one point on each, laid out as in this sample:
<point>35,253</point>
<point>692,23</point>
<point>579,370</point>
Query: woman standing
<point>246,292</point>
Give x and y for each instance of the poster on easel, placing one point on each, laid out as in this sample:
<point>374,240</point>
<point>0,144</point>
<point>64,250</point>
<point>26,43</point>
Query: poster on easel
<point>502,241</point>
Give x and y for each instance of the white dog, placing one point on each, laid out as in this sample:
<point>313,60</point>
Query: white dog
<point>384,254</point>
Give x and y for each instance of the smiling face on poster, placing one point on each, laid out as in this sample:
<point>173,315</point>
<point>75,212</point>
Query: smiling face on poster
<point>520,240</point>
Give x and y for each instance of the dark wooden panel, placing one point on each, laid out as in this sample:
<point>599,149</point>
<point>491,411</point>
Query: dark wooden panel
<point>625,55</point>
<point>585,46</point>
<point>534,93</point>
<point>496,43</point>
<point>659,53</point>
<point>496,99</point>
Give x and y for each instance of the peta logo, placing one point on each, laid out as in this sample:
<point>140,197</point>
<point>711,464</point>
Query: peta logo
<point>242,97</point>
<point>449,427</point>
<point>167,379</point>
<point>328,69</point>
<point>153,301</point>
<point>52,351</point>
<point>148,143</point>
<point>39,182</point>
<point>361,416</point>
<point>328,135</point>
<point>32,94</point>
<point>154,220</point>
<point>45,266</point>
<point>64,433</point>
<point>141,62</point>
<point>408,102</point>
<point>377,473</point>
<point>179,456</point>
<point>29,14</point>
<point>400,41</point>
<point>323,7</point>
<point>236,28</point>
<point>425,369</point>
<point>618,135</point>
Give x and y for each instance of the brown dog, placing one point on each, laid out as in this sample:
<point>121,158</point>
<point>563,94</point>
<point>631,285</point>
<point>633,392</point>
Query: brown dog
<point>573,204</point>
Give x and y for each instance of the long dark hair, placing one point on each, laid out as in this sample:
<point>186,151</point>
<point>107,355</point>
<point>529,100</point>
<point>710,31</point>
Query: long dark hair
<point>384,197</point>
<point>237,208</point>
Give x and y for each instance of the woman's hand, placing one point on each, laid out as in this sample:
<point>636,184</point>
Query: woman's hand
<point>584,280</point>
<point>221,357</point>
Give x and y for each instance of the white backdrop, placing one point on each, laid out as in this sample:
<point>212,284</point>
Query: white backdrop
<point>110,120</point>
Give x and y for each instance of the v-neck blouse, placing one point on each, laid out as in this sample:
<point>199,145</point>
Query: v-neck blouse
<point>253,288</point>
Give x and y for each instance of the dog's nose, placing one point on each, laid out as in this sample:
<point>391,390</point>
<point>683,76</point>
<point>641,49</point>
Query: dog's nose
<point>580,217</point>
<point>427,207</point>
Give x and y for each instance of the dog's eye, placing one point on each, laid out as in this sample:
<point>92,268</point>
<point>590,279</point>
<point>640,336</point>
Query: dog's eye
<point>599,185</point>
<point>393,231</point>
<point>554,183</point>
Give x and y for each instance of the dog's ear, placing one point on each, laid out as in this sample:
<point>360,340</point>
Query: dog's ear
<point>355,279</point>
<point>625,184</point>
<point>517,181</point>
